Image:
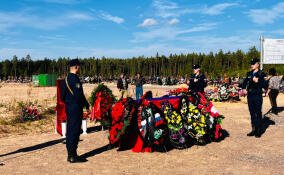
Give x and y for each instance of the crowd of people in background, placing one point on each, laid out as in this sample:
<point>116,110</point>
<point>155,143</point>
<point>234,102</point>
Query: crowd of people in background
<point>214,81</point>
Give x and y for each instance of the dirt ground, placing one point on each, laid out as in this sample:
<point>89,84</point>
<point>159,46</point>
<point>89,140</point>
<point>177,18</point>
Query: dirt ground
<point>45,153</point>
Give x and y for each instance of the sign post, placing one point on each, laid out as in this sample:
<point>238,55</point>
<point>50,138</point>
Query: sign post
<point>261,52</point>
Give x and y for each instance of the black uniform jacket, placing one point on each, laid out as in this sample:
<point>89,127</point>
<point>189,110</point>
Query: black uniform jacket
<point>74,95</point>
<point>252,87</point>
<point>199,85</point>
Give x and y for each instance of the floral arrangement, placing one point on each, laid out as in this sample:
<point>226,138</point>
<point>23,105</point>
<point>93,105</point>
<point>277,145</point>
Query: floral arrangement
<point>196,123</point>
<point>121,114</point>
<point>212,95</point>
<point>29,114</point>
<point>223,93</point>
<point>177,92</point>
<point>234,92</point>
<point>101,88</point>
<point>102,100</point>
<point>212,118</point>
<point>86,116</point>
<point>195,120</point>
<point>177,133</point>
<point>150,124</point>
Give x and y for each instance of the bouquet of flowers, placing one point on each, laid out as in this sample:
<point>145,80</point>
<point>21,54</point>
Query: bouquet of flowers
<point>121,114</point>
<point>224,93</point>
<point>85,116</point>
<point>212,95</point>
<point>177,133</point>
<point>29,114</point>
<point>234,92</point>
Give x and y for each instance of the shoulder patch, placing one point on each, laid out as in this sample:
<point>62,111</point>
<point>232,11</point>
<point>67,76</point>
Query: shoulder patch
<point>78,85</point>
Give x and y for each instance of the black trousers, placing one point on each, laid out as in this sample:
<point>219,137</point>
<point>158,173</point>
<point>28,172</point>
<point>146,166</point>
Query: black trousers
<point>255,107</point>
<point>74,121</point>
<point>272,97</point>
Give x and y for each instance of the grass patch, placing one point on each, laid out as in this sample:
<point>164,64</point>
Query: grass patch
<point>41,122</point>
<point>28,123</point>
<point>3,122</point>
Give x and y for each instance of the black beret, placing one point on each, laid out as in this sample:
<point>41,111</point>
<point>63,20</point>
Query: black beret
<point>253,61</point>
<point>74,62</point>
<point>196,66</point>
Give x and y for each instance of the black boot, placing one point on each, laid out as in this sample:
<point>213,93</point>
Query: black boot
<point>258,132</point>
<point>274,110</point>
<point>74,158</point>
<point>252,133</point>
<point>71,156</point>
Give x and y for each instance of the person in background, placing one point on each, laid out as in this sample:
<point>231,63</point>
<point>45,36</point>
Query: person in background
<point>197,82</point>
<point>253,85</point>
<point>72,95</point>
<point>122,86</point>
<point>230,80</point>
<point>273,90</point>
<point>139,81</point>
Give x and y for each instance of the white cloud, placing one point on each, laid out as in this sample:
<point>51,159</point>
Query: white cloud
<point>173,21</point>
<point>267,16</point>
<point>217,9</point>
<point>164,4</point>
<point>24,19</point>
<point>148,22</point>
<point>169,33</point>
<point>167,9</point>
<point>196,43</point>
<point>115,19</point>
<point>80,16</point>
<point>56,37</point>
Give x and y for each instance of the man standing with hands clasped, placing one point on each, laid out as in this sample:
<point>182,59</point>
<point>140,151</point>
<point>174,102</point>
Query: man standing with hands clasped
<point>197,81</point>
<point>253,85</point>
<point>74,100</point>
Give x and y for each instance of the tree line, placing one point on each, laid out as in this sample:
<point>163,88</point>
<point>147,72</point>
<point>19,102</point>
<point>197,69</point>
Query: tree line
<point>212,64</point>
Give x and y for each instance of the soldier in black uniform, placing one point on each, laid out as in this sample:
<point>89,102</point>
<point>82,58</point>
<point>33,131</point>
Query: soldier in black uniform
<point>74,99</point>
<point>197,81</point>
<point>253,85</point>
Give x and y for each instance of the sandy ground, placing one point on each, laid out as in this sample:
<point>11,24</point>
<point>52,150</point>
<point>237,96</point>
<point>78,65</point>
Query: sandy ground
<point>237,154</point>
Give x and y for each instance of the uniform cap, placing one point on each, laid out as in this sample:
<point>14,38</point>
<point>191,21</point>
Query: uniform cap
<point>74,62</point>
<point>196,66</point>
<point>253,61</point>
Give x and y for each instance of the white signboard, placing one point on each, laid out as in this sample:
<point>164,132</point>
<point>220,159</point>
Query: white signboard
<point>273,51</point>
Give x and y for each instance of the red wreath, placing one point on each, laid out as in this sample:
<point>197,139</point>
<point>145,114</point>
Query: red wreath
<point>101,107</point>
<point>119,120</point>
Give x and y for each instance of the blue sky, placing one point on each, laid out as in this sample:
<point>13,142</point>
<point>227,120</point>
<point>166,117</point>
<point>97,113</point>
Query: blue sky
<point>126,28</point>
